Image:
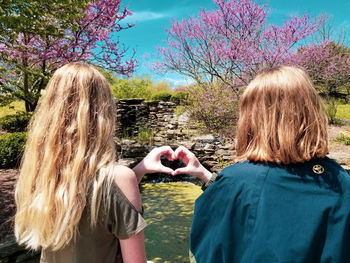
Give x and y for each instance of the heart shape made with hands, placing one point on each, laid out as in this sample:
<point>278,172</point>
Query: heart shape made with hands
<point>175,160</point>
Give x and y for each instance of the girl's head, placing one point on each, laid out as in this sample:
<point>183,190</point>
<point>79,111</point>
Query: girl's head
<point>70,139</point>
<point>281,118</point>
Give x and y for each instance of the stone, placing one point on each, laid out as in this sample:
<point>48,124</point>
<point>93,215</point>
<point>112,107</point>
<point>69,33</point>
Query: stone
<point>209,138</point>
<point>341,157</point>
<point>223,147</point>
<point>127,142</point>
<point>209,164</point>
<point>209,147</point>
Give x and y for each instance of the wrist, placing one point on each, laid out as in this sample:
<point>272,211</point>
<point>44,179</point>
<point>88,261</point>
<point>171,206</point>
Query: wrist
<point>206,175</point>
<point>205,185</point>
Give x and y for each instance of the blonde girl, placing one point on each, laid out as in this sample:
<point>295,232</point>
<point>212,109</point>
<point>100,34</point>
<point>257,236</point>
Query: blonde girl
<point>73,201</point>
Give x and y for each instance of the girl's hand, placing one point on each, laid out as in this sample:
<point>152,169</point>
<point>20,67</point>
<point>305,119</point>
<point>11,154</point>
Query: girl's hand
<point>152,164</point>
<point>193,166</point>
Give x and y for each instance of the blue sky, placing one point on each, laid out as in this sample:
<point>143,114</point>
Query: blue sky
<point>153,16</point>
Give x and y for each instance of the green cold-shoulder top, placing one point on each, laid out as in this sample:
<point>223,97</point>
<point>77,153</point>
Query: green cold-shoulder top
<point>101,243</point>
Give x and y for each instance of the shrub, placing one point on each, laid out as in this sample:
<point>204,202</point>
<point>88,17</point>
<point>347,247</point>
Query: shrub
<point>132,88</point>
<point>214,109</point>
<point>161,86</point>
<point>145,135</point>
<point>343,138</point>
<point>179,98</point>
<point>11,149</point>
<point>15,122</point>
<point>162,96</point>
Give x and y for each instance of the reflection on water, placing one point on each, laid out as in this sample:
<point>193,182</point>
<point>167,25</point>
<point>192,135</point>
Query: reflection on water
<point>168,211</point>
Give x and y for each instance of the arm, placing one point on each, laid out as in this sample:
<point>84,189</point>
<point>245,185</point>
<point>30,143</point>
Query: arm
<point>133,248</point>
<point>152,164</point>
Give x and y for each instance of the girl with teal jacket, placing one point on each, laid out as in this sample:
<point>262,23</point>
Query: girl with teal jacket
<point>284,200</point>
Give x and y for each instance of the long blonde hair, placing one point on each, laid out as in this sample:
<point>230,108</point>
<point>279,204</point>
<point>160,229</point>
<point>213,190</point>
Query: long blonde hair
<point>69,152</point>
<point>281,118</point>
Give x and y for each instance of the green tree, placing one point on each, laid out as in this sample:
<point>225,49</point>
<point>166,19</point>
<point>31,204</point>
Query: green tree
<point>37,37</point>
<point>135,87</point>
<point>161,86</point>
<point>38,17</point>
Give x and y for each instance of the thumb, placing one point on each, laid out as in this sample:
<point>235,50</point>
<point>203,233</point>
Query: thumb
<point>164,169</point>
<point>183,170</point>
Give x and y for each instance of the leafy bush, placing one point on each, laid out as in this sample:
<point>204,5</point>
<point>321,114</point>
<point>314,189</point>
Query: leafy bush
<point>132,88</point>
<point>145,135</point>
<point>12,108</point>
<point>15,122</point>
<point>162,96</point>
<point>179,98</point>
<point>343,138</point>
<point>11,149</point>
<point>214,109</point>
<point>161,86</point>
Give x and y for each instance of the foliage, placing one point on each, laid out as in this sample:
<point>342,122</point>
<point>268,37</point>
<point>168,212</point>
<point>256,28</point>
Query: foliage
<point>132,88</point>
<point>11,149</point>
<point>40,36</point>
<point>162,96</point>
<point>161,86</point>
<point>39,16</point>
<point>328,64</point>
<point>182,88</point>
<point>12,108</point>
<point>109,75</point>
<point>214,108</point>
<point>145,135</point>
<point>331,110</point>
<point>15,122</point>
<point>179,98</point>
<point>231,43</point>
<point>343,138</point>
<point>343,111</point>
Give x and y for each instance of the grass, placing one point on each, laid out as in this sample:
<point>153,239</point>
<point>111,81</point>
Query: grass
<point>343,111</point>
<point>12,108</point>
<point>168,211</point>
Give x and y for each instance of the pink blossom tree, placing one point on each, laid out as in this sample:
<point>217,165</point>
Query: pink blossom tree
<point>223,49</point>
<point>231,43</point>
<point>328,64</point>
<point>28,59</point>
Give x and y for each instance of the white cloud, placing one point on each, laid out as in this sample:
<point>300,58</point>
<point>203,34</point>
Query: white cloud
<point>144,16</point>
<point>179,82</point>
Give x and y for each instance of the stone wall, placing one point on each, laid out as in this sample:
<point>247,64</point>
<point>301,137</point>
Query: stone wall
<point>168,129</point>
<point>135,114</point>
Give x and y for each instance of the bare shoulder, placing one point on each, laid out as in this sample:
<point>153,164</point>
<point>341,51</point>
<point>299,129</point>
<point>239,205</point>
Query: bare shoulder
<point>126,180</point>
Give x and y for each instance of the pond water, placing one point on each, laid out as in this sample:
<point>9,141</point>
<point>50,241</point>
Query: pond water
<point>168,211</point>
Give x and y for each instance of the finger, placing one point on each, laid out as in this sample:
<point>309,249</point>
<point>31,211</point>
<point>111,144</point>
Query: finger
<point>167,152</point>
<point>183,154</point>
<point>165,170</point>
<point>184,150</point>
<point>183,170</point>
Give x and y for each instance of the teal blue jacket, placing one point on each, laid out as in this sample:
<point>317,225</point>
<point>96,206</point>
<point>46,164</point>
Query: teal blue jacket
<point>268,212</point>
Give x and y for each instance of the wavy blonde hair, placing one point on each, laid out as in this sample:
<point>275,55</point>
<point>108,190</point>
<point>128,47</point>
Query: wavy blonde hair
<point>69,152</point>
<point>281,118</point>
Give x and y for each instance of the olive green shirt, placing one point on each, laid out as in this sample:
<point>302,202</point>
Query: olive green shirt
<point>101,243</point>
